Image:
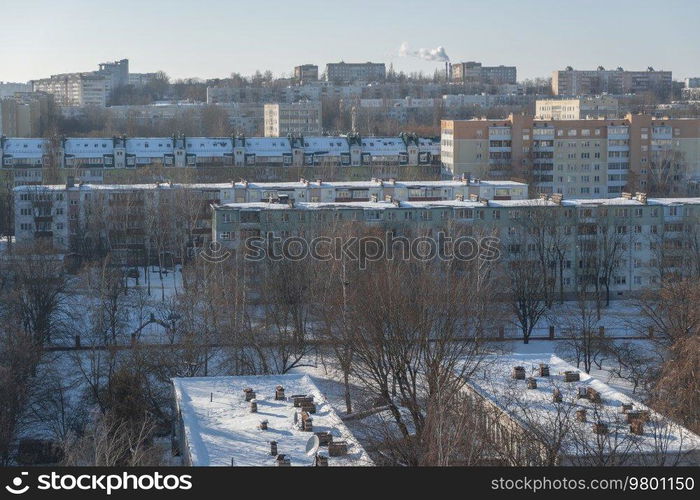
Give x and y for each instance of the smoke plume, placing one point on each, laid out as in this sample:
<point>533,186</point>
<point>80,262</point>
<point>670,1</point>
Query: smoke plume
<point>437,54</point>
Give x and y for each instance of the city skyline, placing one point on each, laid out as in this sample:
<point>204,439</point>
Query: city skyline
<point>537,38</point>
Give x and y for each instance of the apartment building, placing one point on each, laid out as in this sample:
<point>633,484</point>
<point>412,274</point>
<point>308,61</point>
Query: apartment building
<point>134,152</point>
<point>76,89</point>
<point>343,72</point>
<point>9,89</point>
<point>577,109</point>
<point>578,158</point>
<point>65,213</point>
<point>316,191</point>
<point>571,82</point>
<point>121,218</point>
<point>475,72</point>
<point>300,118</point>
<point>537,409</point>
<point>306,73</point>
<point>116,74</point>
<point>651,235</point>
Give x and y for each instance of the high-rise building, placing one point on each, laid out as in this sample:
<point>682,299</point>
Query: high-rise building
<point>24,114</point>
<point>576,109</point>
<point>578,158</point>
<point>75,89</point>
<point>8,89</point>
<point>306,73</point>
<point>343,72</point>
<point>572,82</point>
<point>475,72</point>
<point>116,74</point>
<point>300,118</point>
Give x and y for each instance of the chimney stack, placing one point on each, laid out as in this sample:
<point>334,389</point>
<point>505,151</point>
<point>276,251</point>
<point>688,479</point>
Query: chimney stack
<point>337,448</point>
<point>249,393</point>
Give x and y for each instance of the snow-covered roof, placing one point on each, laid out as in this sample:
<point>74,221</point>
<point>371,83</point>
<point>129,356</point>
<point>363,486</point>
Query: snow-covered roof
<point>535,409</point>
<point>429,145</point>
<point>88,147</point>
<point>383,145</point>
<point>267,146</point>
<point>149,146</point>
<point>209,146</point>
<point>120,187</point>
<point>354,205</point>
<point>673,201</point>
<point>601,201</point>
<point>24,148</point>
<point>521,203</point>
<point>328,145</point>
<point>219,425</point>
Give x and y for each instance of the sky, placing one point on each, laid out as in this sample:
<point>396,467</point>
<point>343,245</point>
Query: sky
<point>214,38</point>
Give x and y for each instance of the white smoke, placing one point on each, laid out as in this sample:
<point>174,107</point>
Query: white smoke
<point>437,54</point>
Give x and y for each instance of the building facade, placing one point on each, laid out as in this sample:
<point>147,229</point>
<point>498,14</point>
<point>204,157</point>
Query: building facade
<point>114,153</point>
<point>651,236</point>
<point>120,214</point>
<point>578,158</point>
<point>76,89</point>
<point>343,72</point>
<point>576,109</point>
<point>572,82</point>
<point>301,118</point>
<point>306,73</point>
<point>9,89</point>
<point>475,72</point>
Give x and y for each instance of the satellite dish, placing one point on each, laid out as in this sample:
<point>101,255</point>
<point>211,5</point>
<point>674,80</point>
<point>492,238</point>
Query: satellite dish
<point>312,445</point>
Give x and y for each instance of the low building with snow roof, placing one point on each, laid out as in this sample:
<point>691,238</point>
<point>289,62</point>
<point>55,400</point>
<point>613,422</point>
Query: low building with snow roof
<point>264,420</point>
<point>209,151</point>
<point>23,152</point>
<point>537,409</point>
<point>145,151</point>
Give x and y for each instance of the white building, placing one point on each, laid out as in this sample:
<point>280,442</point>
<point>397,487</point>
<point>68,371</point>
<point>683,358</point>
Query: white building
<point>216,426</point>
<point>536,409</point>
<point>75,89</point>
<point>581,108</point>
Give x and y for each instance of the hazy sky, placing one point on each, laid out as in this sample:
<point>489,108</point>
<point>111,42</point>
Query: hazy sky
<point>213,38</point>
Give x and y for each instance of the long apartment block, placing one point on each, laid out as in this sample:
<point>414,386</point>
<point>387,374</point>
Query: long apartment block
<point>646,238</point>
<point>579,158</point>
<point>135,152</point>
<point>122,214</point>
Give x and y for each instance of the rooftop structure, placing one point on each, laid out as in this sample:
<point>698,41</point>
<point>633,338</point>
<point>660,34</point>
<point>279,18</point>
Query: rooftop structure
<point>541,404</point>
<point>220,423</point>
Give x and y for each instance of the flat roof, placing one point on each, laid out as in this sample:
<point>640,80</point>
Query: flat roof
<point>219,426</point>
<point>534,408</point>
